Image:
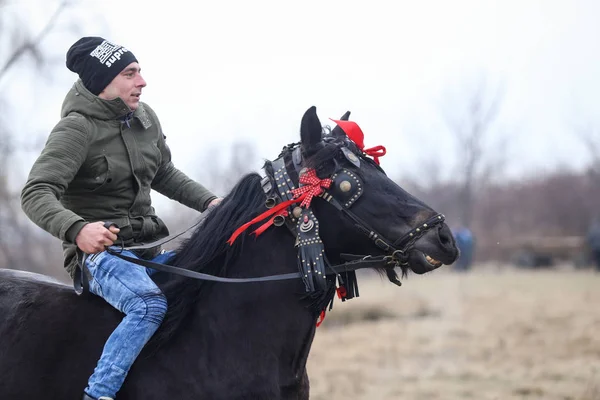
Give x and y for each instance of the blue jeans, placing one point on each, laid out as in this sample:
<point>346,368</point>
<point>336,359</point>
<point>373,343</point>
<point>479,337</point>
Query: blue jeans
<point>128,288</point>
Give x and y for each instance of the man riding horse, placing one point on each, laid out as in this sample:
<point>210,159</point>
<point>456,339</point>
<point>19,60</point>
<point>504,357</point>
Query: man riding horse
<point>99,163</point>
<point>267,262</point>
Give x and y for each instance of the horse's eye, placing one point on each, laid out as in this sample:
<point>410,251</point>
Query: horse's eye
<point>326,169</point>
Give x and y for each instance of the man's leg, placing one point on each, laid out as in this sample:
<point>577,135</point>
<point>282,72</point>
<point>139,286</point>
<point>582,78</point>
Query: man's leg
<point>128,288</point>
<point>162,258</point>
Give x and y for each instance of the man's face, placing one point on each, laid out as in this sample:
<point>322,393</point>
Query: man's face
<point>127,85</point>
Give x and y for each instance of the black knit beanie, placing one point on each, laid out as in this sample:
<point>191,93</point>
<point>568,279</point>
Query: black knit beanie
<point>97,61</point>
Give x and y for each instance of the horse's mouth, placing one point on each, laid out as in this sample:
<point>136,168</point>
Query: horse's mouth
<point>421,263</point>
<point>432,261</point>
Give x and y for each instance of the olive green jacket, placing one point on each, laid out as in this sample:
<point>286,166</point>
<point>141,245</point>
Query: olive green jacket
<point>99,163</point>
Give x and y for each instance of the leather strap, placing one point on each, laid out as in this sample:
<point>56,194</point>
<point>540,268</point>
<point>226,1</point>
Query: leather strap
<point>198,275</point>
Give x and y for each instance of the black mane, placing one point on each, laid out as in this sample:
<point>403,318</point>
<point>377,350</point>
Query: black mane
<point>207,250</point>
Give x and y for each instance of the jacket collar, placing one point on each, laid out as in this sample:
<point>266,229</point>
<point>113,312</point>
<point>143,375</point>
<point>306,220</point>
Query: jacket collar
<point>80,99</point>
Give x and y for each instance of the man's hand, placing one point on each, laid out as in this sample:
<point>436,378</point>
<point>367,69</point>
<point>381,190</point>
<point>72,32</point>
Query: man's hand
<point>214,202</point>
<point>94,237</point>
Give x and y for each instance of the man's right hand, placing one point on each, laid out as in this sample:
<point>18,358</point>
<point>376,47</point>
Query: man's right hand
<point>94,237</point>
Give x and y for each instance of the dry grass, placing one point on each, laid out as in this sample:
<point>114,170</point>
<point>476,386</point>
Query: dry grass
<point>491,334</point>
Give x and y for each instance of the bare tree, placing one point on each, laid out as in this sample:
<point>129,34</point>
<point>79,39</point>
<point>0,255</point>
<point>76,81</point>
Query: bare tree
<point>21,48</point>
<point>220,171</point>
<point>589,135</point>
<point>27,43</point>
<point>470,123</point>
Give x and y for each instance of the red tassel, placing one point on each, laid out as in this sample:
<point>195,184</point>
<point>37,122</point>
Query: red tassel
<point>321,318</point>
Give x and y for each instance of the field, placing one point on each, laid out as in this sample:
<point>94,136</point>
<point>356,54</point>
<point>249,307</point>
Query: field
<point>496,333</point>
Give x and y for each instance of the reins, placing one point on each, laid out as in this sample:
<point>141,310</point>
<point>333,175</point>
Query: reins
<point>353,265</point>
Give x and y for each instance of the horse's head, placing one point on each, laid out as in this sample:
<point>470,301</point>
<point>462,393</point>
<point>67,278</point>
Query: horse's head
<point>364,212</point>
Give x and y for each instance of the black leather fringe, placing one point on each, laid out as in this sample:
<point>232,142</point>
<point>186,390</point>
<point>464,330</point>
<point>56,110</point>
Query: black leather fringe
<point>312,266</point>
<point>311,253</point>
<point>318,301</point>
<point>349,282</point>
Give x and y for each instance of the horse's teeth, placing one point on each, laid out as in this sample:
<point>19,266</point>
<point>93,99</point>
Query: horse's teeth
<point>432,260</point>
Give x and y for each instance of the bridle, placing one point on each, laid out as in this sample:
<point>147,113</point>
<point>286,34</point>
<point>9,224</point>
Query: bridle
<point>345,189</point>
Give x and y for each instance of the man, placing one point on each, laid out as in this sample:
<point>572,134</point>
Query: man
<point>593,242</point>
<point>466,244</point>
<point>99,164</point>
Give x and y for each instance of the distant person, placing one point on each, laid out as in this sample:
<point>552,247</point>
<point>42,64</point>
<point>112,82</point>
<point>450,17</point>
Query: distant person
<point>593,241</point>
<point>466,244</point>
<point>99,164</point>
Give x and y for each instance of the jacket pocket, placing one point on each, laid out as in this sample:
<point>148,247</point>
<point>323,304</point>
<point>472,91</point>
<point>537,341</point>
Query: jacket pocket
<point>103,174</point>
<point>94,174</point>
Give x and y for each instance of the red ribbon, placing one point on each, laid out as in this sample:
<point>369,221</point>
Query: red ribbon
<point>278,208</point>
<point>375,152</point>
<point>312,186</point>
<point>353,131</point>
<point>263,227</point>
<point>321,318</point>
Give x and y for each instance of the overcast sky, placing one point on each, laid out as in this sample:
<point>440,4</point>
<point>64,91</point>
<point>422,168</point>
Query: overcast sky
<point>222,71</point>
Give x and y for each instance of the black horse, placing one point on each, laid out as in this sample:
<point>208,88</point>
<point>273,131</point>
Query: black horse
<point>234,340</point>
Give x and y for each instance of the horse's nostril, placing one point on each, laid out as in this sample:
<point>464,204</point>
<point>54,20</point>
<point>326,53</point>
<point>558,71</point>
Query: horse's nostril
<point>445,235</point>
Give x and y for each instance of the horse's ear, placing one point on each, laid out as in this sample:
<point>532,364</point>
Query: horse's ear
<point>310,129</point>
<point>337,131</point>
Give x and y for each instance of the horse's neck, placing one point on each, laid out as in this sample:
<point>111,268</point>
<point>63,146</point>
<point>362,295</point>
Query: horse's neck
<point>271,253</point>
<point>269,315</point>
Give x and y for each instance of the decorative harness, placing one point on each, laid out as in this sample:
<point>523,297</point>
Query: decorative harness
<point>290,205</point>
